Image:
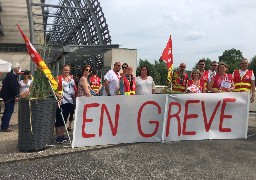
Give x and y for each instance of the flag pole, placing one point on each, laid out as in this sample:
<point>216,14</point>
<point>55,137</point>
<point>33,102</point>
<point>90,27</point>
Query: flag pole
<point>171,82</point>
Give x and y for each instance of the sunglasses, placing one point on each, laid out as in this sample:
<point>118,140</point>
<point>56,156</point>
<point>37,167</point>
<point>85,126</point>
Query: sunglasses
<point>124,67</point>
<point>87,69</point>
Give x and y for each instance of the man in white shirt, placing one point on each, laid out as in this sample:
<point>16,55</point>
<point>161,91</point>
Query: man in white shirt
<point>111,81</point>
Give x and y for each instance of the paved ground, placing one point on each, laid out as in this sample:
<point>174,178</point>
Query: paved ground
<point>207,159</point>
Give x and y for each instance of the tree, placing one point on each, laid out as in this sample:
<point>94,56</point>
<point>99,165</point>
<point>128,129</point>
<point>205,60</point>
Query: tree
<point>252,64</point>
<point>161,70</point>
<point>232,59</point>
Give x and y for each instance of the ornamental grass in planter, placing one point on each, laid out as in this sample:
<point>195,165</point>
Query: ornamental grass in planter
<point>37,112</point>
<point>36,115</point>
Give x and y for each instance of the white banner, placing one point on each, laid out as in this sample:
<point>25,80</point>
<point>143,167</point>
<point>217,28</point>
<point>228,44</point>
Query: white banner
<point>153,118</point>
<point>206,116</point>
<point>102,120</point>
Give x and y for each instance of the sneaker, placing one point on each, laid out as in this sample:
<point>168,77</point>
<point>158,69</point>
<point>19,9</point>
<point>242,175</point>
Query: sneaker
<point>7,130</point>
<point>59,140</point>
<point>64,138</point>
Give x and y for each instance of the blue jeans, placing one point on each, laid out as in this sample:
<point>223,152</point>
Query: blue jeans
<point>7,115</point>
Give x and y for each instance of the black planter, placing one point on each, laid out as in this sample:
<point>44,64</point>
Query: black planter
<point>37,132</point>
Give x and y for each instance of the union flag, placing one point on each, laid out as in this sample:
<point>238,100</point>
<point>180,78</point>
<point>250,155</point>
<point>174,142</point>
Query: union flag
<point>167,56</point>
<point>37,59</point>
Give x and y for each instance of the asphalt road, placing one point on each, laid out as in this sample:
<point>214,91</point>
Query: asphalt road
<point>206,159</point>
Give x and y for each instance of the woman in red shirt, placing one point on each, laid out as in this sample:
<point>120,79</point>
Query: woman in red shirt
<point>196,84</point>
<point>221,82</point>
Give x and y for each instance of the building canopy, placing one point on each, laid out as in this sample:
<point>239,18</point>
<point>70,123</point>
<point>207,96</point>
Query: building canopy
<point>75,31</point>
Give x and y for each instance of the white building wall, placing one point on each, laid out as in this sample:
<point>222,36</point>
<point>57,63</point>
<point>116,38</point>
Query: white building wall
<point>17,57</point>
<point>15,12</point>
<point>122,55</point>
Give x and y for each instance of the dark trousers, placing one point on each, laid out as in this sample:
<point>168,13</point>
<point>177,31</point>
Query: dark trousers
<point>66,109</point>
<point>71,115</point>
<point>7,115</point>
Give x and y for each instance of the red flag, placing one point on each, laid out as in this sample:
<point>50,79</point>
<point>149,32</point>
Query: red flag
<point>168,58</point>
<point>31,50</point>
<point>36,58</point>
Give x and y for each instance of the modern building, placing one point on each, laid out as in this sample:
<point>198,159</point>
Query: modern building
<point>66,32</point>
<point>12,46</point>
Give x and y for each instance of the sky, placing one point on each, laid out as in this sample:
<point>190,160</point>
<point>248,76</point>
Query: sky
<point>199,28</point>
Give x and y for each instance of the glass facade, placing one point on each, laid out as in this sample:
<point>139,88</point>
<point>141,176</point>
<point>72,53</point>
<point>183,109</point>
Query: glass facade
<point>4,47</point>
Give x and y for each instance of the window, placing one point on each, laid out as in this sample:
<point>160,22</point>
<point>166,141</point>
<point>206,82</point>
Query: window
<point>12,47</point>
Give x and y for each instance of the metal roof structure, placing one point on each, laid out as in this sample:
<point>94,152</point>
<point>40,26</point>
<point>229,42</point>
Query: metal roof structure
<point>75,31</point>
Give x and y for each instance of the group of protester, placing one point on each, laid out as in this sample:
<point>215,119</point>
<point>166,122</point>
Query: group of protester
<point>215,80</point>
<point>115,83</point>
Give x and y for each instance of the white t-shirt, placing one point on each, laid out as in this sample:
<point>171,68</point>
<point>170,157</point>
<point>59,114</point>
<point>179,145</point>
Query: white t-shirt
<point>68,91</point>
<point>242,73</point>
<point>144,87</point>
<point>113,83</point>
<point>211,74</point>
<point>25,87</point>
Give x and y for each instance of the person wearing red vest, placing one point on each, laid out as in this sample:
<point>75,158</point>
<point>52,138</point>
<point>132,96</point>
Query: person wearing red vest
<point>121,81</point>
<point>244,79</point>
<point>129,82</point>
<point>66,94</point>
<point>95,83</point>
<point>179,80</point>
<point>195,84</point>
<point>124,69</point>
<point>221,82</point>
<point>203,72</point>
